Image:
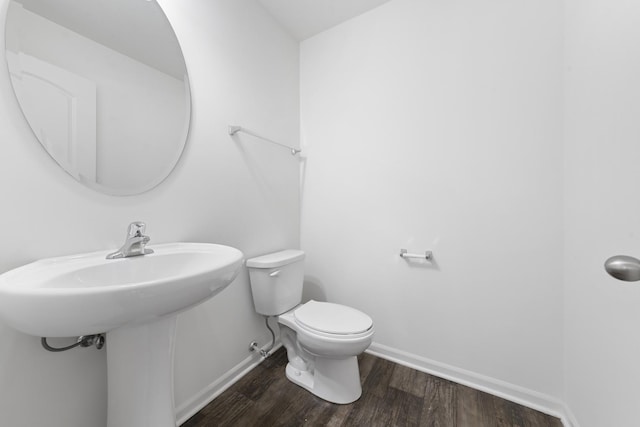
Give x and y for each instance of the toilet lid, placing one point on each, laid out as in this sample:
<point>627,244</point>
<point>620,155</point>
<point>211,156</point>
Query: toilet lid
<point>332,318</point>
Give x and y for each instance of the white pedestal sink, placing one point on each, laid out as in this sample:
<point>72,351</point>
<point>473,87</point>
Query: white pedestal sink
<point>135,301</point>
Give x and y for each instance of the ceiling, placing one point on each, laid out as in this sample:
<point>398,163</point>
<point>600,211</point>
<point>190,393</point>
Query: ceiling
<point>305,18</point>
<point>142,30</point>
<point>96,20</point>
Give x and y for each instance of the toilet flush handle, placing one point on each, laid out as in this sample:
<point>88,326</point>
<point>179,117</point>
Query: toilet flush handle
<point>274,273</point>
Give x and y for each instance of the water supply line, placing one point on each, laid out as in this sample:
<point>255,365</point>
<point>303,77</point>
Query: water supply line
<point>254,344</point>
<point>82,341</point>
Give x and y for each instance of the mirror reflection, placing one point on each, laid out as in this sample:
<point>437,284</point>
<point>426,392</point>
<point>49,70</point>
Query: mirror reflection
<point>104,87</point>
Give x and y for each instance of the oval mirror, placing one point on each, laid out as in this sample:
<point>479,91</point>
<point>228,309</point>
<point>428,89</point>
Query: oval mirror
<point>104,87</point>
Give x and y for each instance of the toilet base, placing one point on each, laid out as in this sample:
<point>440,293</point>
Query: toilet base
<point>334,380</point>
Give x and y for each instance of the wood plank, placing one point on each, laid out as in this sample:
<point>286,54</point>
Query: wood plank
<point>363,411</point>
<point>225,410</point>
<point>521,416</point>
<point>339,416</point>
<point>473,408</point>
<point>400,408</point>
<point>379,377</point>
<point>269,407</point>
<point>409,380</point>
<point>439,403</point>
<point>304,409</point>
<point>365,363</point>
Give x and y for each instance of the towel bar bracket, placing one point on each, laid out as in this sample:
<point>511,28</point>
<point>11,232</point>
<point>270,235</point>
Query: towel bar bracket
<point>427,255</point>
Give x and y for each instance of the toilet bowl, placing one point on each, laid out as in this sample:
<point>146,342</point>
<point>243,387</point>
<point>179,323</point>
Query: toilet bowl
<point>330,330</point>
<point>328,349</point>
<point>322,339</point>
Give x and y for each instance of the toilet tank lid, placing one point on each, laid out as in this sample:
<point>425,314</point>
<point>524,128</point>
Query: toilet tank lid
<point>276,259</point>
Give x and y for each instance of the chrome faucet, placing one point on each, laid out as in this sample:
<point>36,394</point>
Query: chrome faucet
<point>135,243</point>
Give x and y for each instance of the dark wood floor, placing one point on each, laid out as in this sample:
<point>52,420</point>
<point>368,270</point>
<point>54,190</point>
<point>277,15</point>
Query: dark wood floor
<point>392,395</point>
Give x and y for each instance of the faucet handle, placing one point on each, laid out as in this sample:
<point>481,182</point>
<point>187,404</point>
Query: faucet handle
<point>136,229</point>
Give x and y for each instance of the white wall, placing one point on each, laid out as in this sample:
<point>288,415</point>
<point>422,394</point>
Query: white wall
<point>602,210</point>
<point>427,125</point>
<point>243,70</point>
<point>438,125</point>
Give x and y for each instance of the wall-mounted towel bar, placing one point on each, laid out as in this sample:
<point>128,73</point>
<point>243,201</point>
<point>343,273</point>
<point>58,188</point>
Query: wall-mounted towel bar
<point>428,255</point>
<point>235,129</point>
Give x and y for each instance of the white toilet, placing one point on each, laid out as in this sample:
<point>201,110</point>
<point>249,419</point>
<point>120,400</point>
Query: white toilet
<point>322,339</point>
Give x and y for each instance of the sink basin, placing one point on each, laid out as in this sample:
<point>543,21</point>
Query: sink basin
<point>88,294</point>
<point>134,301</point>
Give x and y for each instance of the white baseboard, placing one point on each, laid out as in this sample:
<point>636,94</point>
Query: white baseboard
<point>192,406</point>
<point>523,396</point>
<point>569,420</point>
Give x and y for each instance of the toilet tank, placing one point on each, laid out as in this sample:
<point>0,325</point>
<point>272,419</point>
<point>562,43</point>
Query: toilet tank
<point>276,281</point>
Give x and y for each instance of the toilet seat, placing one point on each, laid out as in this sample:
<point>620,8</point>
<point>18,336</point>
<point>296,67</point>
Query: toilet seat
<point>332,320</point>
